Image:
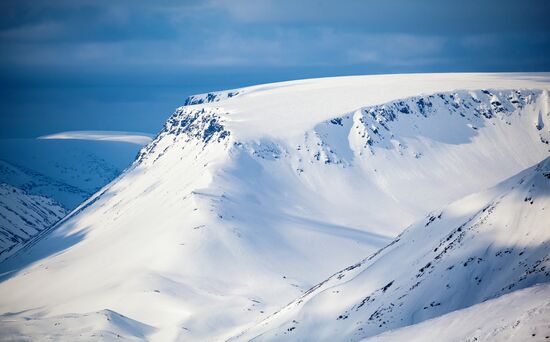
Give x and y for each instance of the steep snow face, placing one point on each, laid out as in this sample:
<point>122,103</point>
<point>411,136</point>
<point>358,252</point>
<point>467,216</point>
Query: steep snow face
<point>478,248</point>
<point>243,202</point>
<point>519,316</point>
<point>22,216</point>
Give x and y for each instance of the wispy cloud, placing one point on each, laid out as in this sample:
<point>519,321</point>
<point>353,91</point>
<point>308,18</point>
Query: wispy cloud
<point>222,33</point>
<point>127,137</point>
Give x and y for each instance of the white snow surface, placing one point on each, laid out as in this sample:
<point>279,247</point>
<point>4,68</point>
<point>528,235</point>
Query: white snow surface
<point>478,248</point>
<point>288,109</point>
<point>249,197</point>
<point>519,316</point>
<point>104,325</point>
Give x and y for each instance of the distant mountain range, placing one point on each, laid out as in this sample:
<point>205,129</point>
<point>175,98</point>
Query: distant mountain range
<point>54,176</point>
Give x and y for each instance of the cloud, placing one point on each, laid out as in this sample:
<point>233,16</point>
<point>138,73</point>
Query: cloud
<point>33,32</point>
<point>268,33</point>
<point>127,137</point>
<point>396,49</point>
<point>397,16</point>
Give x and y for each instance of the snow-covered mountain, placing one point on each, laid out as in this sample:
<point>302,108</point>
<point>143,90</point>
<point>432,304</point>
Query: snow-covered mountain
<point>478,248</point>
<point>22,216</point>
<point>518,316</point>
<point>66,170</point>
<point>33,182</point>
<point>248,198</point>
<point>42,179</point>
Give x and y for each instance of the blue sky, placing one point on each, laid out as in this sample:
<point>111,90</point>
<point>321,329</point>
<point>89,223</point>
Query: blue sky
<point>125,65</point>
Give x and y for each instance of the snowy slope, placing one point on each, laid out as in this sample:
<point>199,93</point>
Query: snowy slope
<point>478,248</point>
<point>103,325</point>
<point>249,197</point>
<point>22,216</point>
<point>519,316</point>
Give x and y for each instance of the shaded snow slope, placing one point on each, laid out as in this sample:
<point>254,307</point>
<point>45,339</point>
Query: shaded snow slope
<point>22,216</point>
<point>478,248</point>
<point>519,316</point>
<point>243,202</point>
